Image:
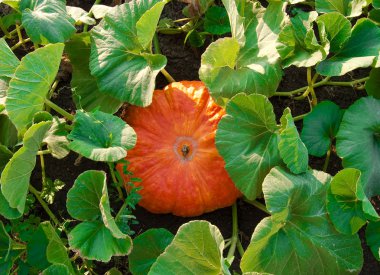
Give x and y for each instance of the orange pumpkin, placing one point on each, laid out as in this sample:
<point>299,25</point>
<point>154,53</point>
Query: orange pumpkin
<point>175,155</point>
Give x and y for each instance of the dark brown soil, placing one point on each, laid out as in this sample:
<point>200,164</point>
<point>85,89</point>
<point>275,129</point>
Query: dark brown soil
<point>183,64</point>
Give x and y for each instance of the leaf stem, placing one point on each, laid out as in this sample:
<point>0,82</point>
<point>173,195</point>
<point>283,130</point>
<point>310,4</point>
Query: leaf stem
<point>121,209</point>
<point>44,152</point>
<point>234,237</point>
<point>156,44</point>
<point>20,43</point>
<point>43,172</point>
<point>90,14</point>
<point>116,183</point>
<point>44,205</point>
<point>11,33</point>
<point>326,164</point>
<point>4,29</point>
<point>168,77</point>
<point>59,110</point>
<point>347,84</point>
<point>240,248</point>
<point>300,117</point>
<point>258,205</point>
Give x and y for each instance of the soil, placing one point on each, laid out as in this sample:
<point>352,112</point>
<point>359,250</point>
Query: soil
<point>183,64</point>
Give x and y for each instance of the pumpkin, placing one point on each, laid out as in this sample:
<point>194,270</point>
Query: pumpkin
<point>175,155</point>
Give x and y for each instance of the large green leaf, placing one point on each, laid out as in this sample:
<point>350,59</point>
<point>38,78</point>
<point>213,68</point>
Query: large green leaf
<point>320,127</point>
<point>372,85</point>
<point>247,139</point>
<point>146,248</point>
<point>46,248</point>
<point>291,148</point>
<point>8,60</point>
<point>46,21</point>
<point>338,29</point>
<point>299,238</point>
<point>31,83</point>
<point>8,132</point>
<point>372,235</point>
<point>94,241</point>
<point>121,57</point>
<point>347,204</point>
<point>5,156</point>
<point>6,211</point>
<point>56,139</point>
<point>56,269</point>
<point>360,50</point>
<point>5,243</point>
<point>348,8</point>
<point>298,44</point>
<point>216,21</point>
<point>88,200</point>
<point>197,248</point>
<point>247,62</point>
<point>358,141</point>
<point>101,137</point>
<point>16,174</point>
<point>86,93</point>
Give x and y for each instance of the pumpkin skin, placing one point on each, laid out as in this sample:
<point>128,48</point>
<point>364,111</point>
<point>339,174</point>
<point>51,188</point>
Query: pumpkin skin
<point>175,155</point>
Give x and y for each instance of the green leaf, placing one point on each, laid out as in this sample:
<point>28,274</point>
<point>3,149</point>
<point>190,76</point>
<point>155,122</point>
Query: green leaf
<point>372,235</point>
<point>374,15</point>
<point>46,248</point>
<point>56,269</point>
<point>113,271</point>
<point>8,132</point>
<point>86,93</point>
<point>121,58</point>
<point>99,11</point>
<point>101,137</point>
<point>84,197</point>
<point>358,141</point>
<point>11,18</point>
<point>6,211</point>
<point>12,3</point>
<point>16,174</point>
<point>359,51</point>
<point>372,85</point>
<point>247,62</point>
<point>94,241</point>
<point>338,29</point>
<point>291,148</point>
<point>4,81</point>
<point>5,243</point>
<point>197,248</point>
<point>347,204</point>
<point>216,21</point>
<point>5,156</point>
<point>46,21</point>
<point>50,188</point>
<point>31,83</point>
<point>8,60</point>
<point>320,127</point>
<point>376,4</point>
<point>348,8</point>
<point>299,230</point>
<point>80,16</point>
<point>298,44</point>
<point>56,139</point>
<point>146,249</point>
<point>247,139</point>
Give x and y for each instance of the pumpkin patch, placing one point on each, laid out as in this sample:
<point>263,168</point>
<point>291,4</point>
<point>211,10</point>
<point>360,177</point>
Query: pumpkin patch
<point>175,155</point>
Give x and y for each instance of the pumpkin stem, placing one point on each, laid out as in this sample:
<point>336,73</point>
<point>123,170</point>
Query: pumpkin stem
<point>185,150</point>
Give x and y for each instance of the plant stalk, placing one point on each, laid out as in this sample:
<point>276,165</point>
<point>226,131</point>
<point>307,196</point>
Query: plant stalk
<point>59,110</point>
<point>44,152</point>
<point>20,43</point>
<point>326,164</point>
<point>258,205</point>
<point>235,237</point>
<point>121,210</point>
<point>112,171</point>
<point>157,49</point>
<point>4,29</point>
<point>44,205</point>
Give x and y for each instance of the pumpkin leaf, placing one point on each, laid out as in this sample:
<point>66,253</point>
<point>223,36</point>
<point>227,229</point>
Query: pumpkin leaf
<point>249,59</point>
<point>31,83</point>
<point>8,132</point>
<point>292,150</point>
<point>46,248</point>
<point>99,11</point>
<point>147,247</point>
<point>88,199</point>
<point>347,204</point>
<point>372,235</point>
<point>373,83</point>
<point>197,244</point>
<point>101,137</point>
<point>8,60</point>
<point>358,142</point>
<point>5,156</point>
<point>298,44</point>
<point>121,58</point>
<point>86,94</point>
<point>80,16</point>
<point>46,21</point>
<point>94,241</point>
<point>216,21</point>
<point>359,51</point>
<point>5,243</point>
<point>16,174</point>
<point>338,29</point>
<point>320,127</point>
<point>12,3</point>
<point>56,139</point>
<point>6,211</point>
<point>299,230</point>
<point>348,8</point>
<point>247,139</point>
<point>56,269</point>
